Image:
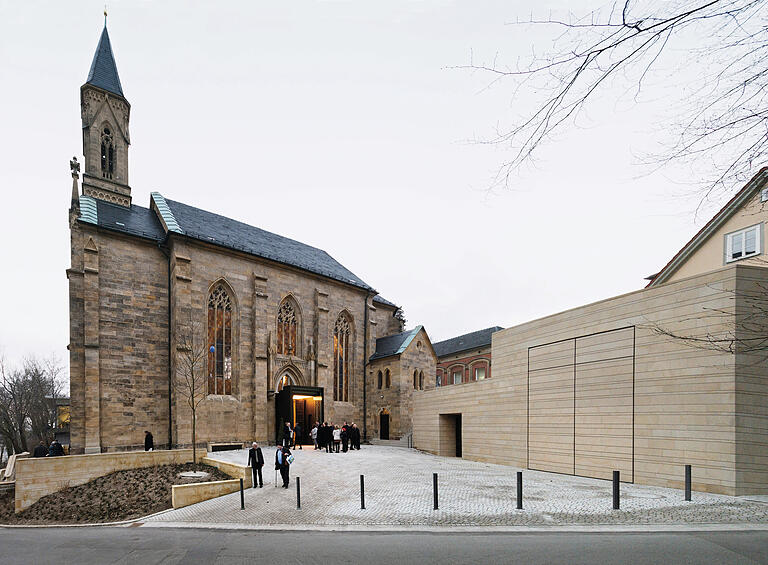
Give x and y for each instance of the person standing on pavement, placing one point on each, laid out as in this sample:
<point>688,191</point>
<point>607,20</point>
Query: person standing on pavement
<point>256,462</point>
<point>282,463</point>
<point>336,438</point>
<point>355,437</point>
<point>297,431</point>
<point>149,441</point>
<point>313,434</point>
<point>40,450</point>
<point>55,449</point>
<point>287,434</point>
<point>345,437</point>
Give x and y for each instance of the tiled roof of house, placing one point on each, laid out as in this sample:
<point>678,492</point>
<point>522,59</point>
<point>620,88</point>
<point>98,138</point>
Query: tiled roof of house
<point>103,73</point>
<point>480,338</point>
<point>394,344</point>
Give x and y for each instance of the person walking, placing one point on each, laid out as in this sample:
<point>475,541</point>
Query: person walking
<point>256,462</point>
<point>297,439</point>
<point>313,434</point>
<point>336,438</point>
<point>149,441</point>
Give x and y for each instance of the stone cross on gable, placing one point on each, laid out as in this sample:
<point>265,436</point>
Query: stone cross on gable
<point>74,166</point>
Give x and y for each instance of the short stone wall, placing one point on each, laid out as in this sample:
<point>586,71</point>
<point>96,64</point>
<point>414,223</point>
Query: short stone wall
<point>41,476</point>
<point>232,469</point>
<point>184,495</point>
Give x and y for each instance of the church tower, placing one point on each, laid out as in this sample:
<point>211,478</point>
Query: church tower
<point>105,115</point>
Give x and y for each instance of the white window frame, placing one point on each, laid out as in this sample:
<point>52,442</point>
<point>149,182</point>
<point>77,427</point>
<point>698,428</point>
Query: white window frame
<point>729,237</point>
<point>458,372</point>
<point>476,369</point>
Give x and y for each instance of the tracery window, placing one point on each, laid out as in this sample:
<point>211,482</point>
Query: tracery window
<point>219,342</point>
<point>286,329</point>
<point>107,154</point>
<point>341,333</point>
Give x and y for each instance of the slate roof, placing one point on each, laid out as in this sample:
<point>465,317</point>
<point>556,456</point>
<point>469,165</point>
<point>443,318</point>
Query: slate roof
<point>135,220</point>
<point>480,338</point>
<point>382,300</point>
<point>394,344</point>
<point>103,73</point>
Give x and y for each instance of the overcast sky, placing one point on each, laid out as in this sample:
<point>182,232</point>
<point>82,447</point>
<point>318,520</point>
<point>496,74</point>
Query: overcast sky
<point>339,124</point>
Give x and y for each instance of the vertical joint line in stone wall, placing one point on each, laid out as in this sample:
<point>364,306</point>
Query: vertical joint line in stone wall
<point>634,336</point>
<point>528,415</point>
<point>574,406</point>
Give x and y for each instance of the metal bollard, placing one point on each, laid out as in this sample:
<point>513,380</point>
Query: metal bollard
<point>616,482</point>
<point>242,496</point>
<point>362,492</point>
<point>434,488</point>
<point>298,493</point>
<point>688,483</point>
<point>519,490</point>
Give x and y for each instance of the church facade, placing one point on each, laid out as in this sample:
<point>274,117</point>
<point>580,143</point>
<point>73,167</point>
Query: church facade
<point>174,307</point>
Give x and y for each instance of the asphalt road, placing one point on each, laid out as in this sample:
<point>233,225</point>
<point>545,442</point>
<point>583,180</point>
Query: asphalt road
<point>134,545</point>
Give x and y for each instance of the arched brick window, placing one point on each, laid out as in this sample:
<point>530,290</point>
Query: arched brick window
<point>219,341</point>
<point>341,353</point>
<point>287,328</point>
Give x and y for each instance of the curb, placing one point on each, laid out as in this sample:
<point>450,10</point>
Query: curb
<point>93,525</point>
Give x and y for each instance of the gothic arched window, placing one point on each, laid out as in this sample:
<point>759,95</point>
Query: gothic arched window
<point>341,333</point>
<point>107,154</point>
<point>415,380</point>
<point>286,329</point>
<point>421,380</point>
<point>379,380</point>
<point>388,379</point>
<point>219,342</point>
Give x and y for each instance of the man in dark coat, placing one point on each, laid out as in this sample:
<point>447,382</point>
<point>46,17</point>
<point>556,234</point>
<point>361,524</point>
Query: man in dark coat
<point>355,437</point>
<point>149,441</point>
<point>40,450</point>
<point>256,462</point>
<point>281,462</point>
<point>55,450</point>
<point>297,431</point>
<point>345,437</point>
<point>328,436</point>
<point>287,434</point>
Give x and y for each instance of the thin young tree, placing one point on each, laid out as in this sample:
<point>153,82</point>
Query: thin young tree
<point>714,52</point>
<point>191,357</point>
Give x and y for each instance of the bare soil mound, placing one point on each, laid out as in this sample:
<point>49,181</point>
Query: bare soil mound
<point>122,495</point>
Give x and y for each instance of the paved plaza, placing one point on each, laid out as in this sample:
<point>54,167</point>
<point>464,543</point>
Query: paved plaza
<point>398,488</point>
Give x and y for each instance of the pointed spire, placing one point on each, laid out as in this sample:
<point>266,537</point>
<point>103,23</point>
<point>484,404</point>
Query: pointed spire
<point>103,73</point>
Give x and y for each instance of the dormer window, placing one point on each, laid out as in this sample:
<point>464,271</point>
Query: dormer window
<point>107,154</point>
<point>743,243</point>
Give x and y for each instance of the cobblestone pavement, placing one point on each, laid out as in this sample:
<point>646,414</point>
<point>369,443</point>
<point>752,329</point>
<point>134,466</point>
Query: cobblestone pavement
<point>398,492</point>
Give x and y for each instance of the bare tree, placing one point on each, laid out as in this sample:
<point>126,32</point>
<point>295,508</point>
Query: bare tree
<point>28,402</point>
<point>723,122</point>
<point>191,356</point>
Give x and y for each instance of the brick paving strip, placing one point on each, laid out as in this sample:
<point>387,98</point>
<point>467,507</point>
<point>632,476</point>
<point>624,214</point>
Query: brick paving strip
<point>398,493</point>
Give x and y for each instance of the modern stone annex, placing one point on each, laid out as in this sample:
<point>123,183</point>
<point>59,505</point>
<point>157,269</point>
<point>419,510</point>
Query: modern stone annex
<point>274,329</point>
<point>642,383</point>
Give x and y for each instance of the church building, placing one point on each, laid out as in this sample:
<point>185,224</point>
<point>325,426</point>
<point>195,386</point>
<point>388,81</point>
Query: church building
<point>174,307</point>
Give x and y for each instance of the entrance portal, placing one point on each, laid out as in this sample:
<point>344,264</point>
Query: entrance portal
<point>450,435</point>
<point>383,425</point>
<point>301,405</point>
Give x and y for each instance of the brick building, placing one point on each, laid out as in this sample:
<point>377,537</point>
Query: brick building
<point>464,359</point>
<point>272,329</point>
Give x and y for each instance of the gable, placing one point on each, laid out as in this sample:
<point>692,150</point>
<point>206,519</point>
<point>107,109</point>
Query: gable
<point>706,250</point>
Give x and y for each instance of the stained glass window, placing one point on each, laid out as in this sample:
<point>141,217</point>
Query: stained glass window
<point>219,342</point>
<point>341,333</point>
<point>286,329</point>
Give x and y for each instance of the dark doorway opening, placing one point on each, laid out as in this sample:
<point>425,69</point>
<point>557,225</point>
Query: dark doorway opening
<point>450,435</point>
<point>383,426</point>
<point>301,405</point>
<point>458,435</point>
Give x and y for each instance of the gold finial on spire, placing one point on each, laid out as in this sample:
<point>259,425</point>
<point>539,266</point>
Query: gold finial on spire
<point>105,15</point>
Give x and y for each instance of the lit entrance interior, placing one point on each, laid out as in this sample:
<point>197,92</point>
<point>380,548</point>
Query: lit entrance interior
<point>299,405</point>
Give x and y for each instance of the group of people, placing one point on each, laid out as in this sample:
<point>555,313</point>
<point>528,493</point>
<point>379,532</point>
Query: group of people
<point>292,436</point>
<point>53,450</point>
<point>332,437</point>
